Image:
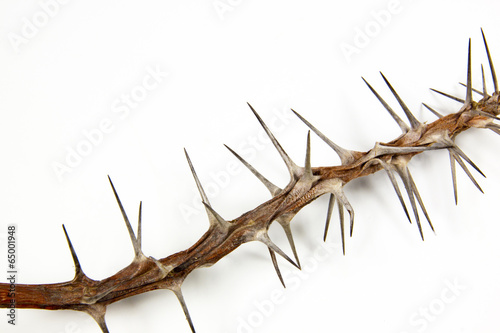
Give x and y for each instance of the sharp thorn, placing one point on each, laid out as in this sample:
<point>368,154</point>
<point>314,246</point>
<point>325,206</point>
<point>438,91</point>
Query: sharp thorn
<point>275,190</point>
<point>453,175</point>
<point>457,150</point>
<point>285,224</point>
<point>137,249</point>
<point>494,127</point>
<point>331,203</point>
<point>437,114</point>
<point>307,162</point>
<point>398,120</point>
<point>458,99</point>
<point>214,217</point>
<point>466,170</point>
<point>403,173</point>
<point>276,267</point>
<point>178,293</point>
<point>492,68</point>
<point>485,92</point>
<point>420,202</point>
<point>474,90</point>
<point>98,312</point>
<point>346,156</point>
<point>413,121</point>
<point>264,238</point>
<point>139,227</point>
<point>341,219</point>
<point>291,166</point>
<point>78,267</point>
<point>203,195</point>
<point>468,95</point>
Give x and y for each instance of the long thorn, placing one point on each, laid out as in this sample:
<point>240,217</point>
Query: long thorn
<point>413,121</point>
<point>468,96</point>
<point>345,155</point>
<point>137,249</point>
<point>270,186</point>
<point>331,203</point>
<point>203,195</point>
<point>139,227</point>
<point>485,92</point>
<point>492,68</point>
<point>178,293</point>
<point>437,114</point>
<point>403,173</point>
<point>466,170</point>
<point>78,267</point>
<point>341,219</point>
<point>285,224</point>
<point>276,267</point>
<point>291,166</point>
<point>398,120</point>
<point>420,202</point>
<point>453,174</point>
<point>458,99</point>
<point>264,238</point>
<point>307,162</point>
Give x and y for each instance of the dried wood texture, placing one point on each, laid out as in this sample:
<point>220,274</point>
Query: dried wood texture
<point>306,184</point>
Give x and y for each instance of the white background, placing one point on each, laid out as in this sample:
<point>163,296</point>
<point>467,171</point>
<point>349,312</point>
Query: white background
<point>70,72</point>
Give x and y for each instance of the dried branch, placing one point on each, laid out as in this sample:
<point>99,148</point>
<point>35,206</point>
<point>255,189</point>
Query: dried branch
<point>306,184</point>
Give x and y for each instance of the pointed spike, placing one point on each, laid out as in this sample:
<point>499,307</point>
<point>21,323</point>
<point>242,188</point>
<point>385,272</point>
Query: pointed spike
<point>276,267</point>
<point>135,244</point>
<point>285,224</point>
<point>474,90</point>
<point>139,227</point>
<point>453,175</point>
<point>275,190</point>
<point>346,156</point>
<point>413,121</point>
<point>395,186</point>
<point>437,114</point>
<point>331,203</point>
<point>492,68</point>
<point>215,217</point>
<point>398,120</point>
<point>468,95</point>
<point>466,170</point>
<point>458,99</point>
<point>178,293</point>
<point>292,167</point>
<point>494,127</point>
<point>78,267</point>
<point>342,200</point>
<point>341,220</point>
<point>98,312</point>
<point>307,162</point>
<point>196,179</point>
<point>457,150</point>
<point>485,92</point>
<point>403,174</point>
<point>419,199</point>
<point>264,238</point>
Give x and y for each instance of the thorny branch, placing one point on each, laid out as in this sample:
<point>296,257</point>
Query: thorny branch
<point>306,184</point>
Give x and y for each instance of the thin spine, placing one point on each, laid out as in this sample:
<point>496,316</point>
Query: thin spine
<point>490,61</point>
<point>413,121</point>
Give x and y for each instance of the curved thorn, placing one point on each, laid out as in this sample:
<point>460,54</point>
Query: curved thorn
<point>413,121</point>
<point>398,120</point>
<point>437,114</point>
<point>137,249</point>
<point>453,175</point>
<point>291,166</point>
<point>331,203</point>
<point>196,179</point>
<point>178,293</point>
<point>275,190</point>
<point>276,267</point>
<point>264,238</point>
<point>492,68</point>
<point>468,95</point>
<point>78,267</point>
<point>458,99</point>
<point>345,155</point>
